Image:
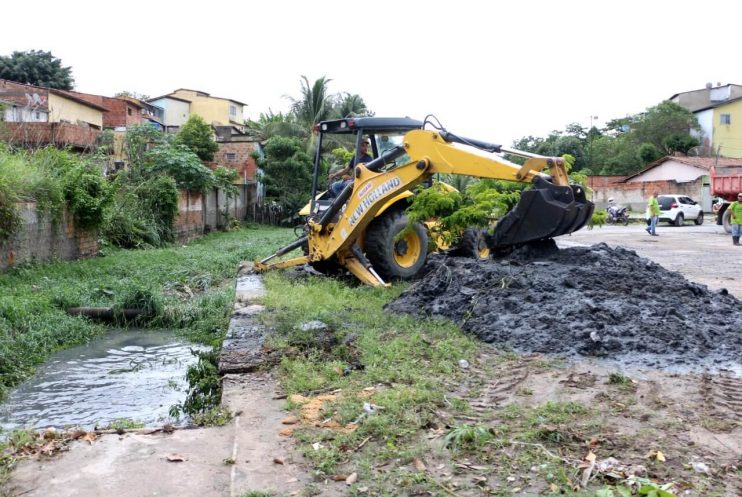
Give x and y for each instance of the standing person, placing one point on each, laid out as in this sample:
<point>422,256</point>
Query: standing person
<point>344,173</point>
<point>653,208</point>
<point>735,218</point>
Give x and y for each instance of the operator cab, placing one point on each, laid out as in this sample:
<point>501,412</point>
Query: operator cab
<point>383,133</point>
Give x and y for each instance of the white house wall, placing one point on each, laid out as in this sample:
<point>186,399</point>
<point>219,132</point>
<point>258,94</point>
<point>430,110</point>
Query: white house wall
<point>176,111</point>
<point>706,120</point>
<point>25,115</point>
<point>671,170</point>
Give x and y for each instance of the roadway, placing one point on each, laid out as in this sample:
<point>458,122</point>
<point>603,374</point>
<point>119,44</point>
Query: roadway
<point>703,254</point>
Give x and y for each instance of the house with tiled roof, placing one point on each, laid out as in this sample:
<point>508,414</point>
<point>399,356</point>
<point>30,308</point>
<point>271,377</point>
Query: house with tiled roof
<point>690,176</point>
<point>216,111</point>
<point>37,116</point>
<point>123,112</point>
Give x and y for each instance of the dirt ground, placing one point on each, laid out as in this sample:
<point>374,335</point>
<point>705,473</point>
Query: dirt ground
<point>627,415</point>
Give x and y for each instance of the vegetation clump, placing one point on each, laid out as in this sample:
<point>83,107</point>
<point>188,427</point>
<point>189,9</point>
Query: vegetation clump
<point>54,180</point>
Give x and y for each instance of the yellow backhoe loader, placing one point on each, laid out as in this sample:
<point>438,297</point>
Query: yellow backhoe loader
<point>363,228</point>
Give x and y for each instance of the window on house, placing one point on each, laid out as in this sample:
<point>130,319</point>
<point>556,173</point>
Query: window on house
<point>128,110</point>
<point>725,119</point>
<point>37,115</point>
<point>233,111</point>
<point>231,156</point>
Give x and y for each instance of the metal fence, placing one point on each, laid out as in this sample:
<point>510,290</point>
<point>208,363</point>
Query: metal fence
<point>267,213</point>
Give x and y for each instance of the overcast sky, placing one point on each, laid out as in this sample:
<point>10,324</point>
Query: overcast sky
<point>495,71</point>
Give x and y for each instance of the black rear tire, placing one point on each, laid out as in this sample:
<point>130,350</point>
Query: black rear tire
<point>473,244</point>
<point>392,258</point>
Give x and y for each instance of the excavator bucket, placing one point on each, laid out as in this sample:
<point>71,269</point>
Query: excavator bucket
<point>544,211</point>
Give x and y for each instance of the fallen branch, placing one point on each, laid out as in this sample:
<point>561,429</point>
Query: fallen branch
<point>545,451</point>
<point>363,442</point>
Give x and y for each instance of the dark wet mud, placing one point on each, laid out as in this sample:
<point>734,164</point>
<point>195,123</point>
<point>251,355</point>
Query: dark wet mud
<point>589,301</point>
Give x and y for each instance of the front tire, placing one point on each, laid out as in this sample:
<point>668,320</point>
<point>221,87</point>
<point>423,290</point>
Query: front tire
<point>699,219</point>
<point>396,257</point>
<point>680,219</point>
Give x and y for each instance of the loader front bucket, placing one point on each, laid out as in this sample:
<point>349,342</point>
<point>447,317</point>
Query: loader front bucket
<point>544,211</point>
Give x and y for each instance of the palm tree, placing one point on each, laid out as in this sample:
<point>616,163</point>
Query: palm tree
<point>348,105</point>
<point>271,124</point>
<point>315,104</point>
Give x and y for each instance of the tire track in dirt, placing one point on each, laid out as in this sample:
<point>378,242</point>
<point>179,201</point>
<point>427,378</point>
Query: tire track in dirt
<point>501,382</point>
<point>722,396</point>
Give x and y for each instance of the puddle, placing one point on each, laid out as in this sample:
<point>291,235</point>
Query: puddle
<point>132,374</point>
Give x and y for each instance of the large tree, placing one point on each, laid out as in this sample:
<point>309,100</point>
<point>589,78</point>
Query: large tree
<point>38,68</point>
<point>624,145</point>
<point>286,173</point>
<point>661,122</point>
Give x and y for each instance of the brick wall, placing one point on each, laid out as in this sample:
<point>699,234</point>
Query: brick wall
<point>594,182</point>
<point>120,113</point>
<point>190,221</point>
<point>40,134</point>
<point>220,209</point>
<point>236,155</point>
<point>42,240</point>
<point>635,195</point>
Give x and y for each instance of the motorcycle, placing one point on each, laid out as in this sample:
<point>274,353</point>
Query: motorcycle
<point>617,215</point>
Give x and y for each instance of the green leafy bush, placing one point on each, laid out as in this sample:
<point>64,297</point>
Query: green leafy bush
<point>87,193</point>
<point>181,164</point>
<point>198,137</point>
<point>51,178</point>
<point>10,218</point>
<point>143,212</point>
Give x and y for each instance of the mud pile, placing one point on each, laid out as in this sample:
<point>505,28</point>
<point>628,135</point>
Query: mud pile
<point>596,301</point>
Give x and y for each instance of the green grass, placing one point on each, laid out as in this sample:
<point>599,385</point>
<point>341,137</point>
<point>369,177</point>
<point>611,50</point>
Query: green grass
<point>409,362</point>
<point>33,298</point>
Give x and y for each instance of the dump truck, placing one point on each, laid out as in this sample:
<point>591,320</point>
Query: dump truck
<point>726,183</point>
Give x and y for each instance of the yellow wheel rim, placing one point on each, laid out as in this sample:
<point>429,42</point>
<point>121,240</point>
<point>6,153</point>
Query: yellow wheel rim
<point>483,251</point>
<point>407,250</point>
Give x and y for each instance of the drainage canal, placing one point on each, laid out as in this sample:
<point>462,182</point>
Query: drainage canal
<point>135,375</point>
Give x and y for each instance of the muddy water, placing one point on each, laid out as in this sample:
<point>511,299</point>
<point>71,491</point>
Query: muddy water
<point>131,374</point>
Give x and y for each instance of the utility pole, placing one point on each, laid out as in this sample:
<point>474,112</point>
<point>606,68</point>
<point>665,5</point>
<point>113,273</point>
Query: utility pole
<point>590,144</point>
